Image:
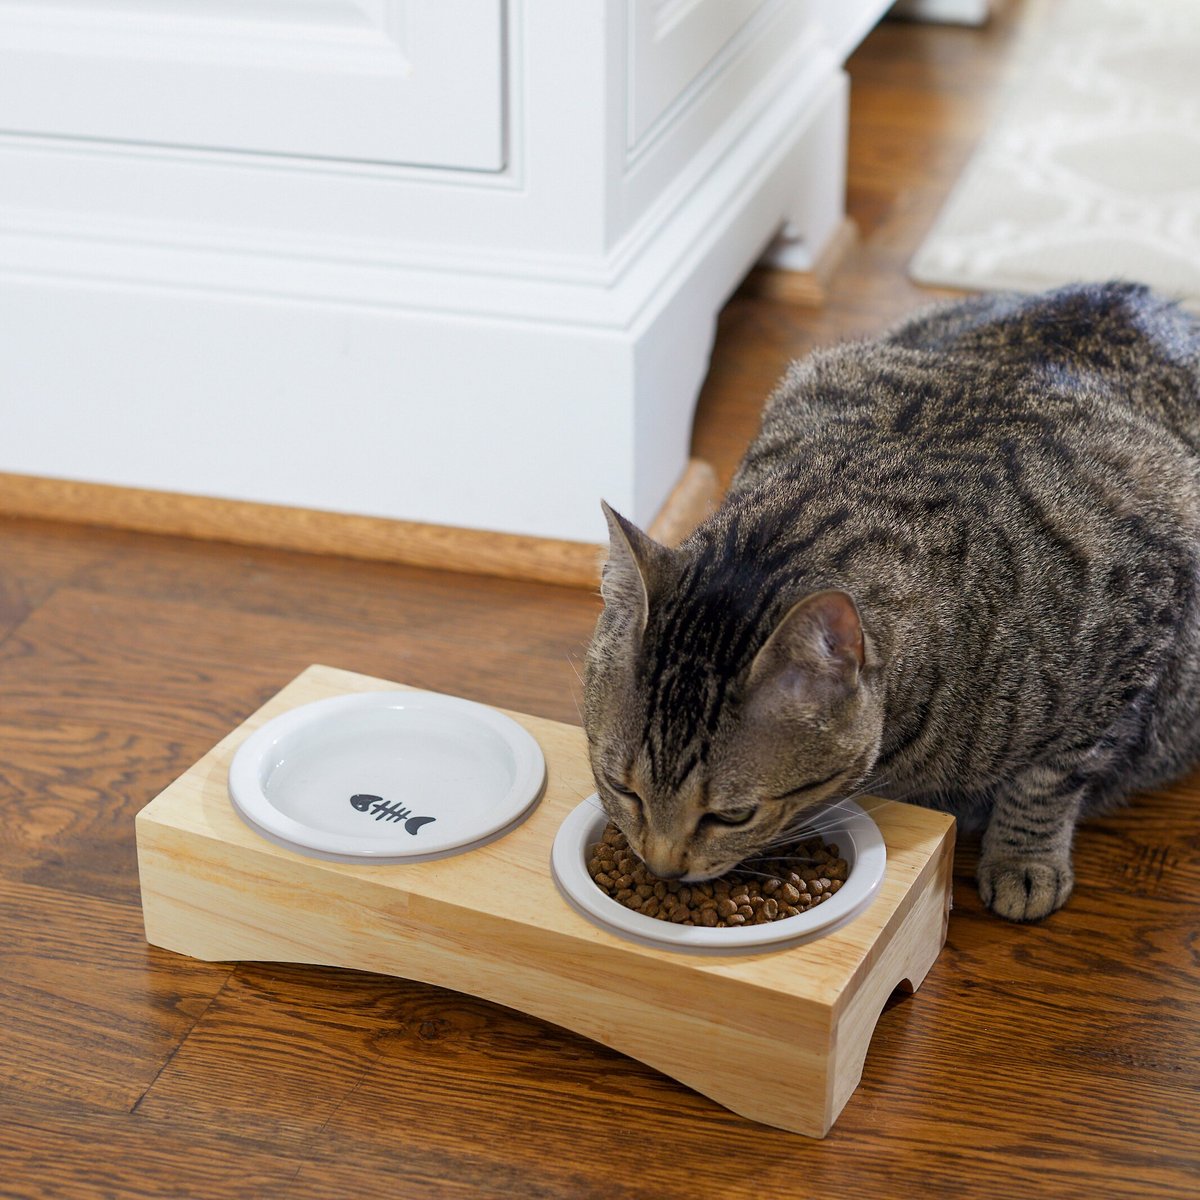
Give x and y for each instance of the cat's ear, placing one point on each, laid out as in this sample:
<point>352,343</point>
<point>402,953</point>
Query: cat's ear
<point>635,561</point>
<point>816,651</point>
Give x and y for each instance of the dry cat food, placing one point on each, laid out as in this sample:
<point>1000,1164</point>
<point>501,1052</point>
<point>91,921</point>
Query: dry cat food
<point>784,883</point>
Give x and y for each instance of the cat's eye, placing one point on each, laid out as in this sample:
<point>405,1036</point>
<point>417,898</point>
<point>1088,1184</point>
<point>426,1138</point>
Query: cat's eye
<point>734,816</point>
<point>622,791</point>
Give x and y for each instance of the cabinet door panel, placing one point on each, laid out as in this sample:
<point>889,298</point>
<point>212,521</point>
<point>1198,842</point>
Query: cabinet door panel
<point>393,81</point>
<point>670,44</point>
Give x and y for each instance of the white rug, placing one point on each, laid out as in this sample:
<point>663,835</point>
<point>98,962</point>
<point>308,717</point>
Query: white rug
<point>1093,170</point>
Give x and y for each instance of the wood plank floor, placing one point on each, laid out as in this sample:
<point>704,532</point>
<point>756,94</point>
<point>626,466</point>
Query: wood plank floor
<point>1061,1059</point>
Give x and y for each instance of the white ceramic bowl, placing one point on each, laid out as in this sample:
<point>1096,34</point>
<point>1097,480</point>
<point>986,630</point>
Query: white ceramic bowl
<point>387,775</point>
<point>857,837</point>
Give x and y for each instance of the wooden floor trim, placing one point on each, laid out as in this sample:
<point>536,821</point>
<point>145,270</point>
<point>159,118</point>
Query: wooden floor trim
<point>441,547</point>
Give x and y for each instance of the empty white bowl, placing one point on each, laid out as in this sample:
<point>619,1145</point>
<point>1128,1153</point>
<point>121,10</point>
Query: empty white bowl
<point>857,837</point>
<point>387,775</point>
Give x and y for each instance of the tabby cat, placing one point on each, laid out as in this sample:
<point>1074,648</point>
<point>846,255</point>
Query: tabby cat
<point>958,567</point>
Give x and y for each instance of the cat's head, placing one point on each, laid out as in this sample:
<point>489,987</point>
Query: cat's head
<point>717,713</point>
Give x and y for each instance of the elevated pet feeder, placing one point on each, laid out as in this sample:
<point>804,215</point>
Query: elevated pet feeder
<point>226,882</point>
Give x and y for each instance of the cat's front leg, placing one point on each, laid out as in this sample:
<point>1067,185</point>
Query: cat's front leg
<point>1025,860</point>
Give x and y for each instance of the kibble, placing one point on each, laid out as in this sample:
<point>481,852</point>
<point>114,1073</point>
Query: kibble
<point>757,892</point>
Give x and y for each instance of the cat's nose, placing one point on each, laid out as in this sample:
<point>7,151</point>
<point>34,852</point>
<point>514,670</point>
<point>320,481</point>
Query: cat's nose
<point>662,859</point>
<point>665,873</point>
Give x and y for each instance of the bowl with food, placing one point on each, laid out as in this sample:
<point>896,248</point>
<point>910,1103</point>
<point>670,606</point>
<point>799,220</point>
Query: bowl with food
<point>820,878</point>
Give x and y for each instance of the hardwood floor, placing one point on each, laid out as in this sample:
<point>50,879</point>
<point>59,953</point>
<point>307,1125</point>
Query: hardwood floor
<point>1060,1059</point>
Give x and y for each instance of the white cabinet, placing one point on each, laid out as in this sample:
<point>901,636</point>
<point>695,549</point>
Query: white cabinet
<point>446,261</point>
<point>671,44</point>
<point>389,81</point>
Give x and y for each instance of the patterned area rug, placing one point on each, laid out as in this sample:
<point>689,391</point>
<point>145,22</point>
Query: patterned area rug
<point>1093,169</point>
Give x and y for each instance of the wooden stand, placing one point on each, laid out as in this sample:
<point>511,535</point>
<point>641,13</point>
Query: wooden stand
<point>728,1026</point>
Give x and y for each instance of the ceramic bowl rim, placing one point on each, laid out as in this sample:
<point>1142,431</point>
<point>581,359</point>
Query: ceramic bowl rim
<point>855,832</point>
<point>247,794</point>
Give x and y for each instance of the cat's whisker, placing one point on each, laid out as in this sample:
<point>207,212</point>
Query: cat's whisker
<point>806,828</point>
<point>817,827</point>
<point>742,869</point>
<point>588,800</point>
<point>821,831</point>
<point>766,858</point>
<point>785,839</point>
<point>811,827</point>
<point>574,697</point>
<point>866,790</point>
<point>841,807</point>
<point>828,819</point>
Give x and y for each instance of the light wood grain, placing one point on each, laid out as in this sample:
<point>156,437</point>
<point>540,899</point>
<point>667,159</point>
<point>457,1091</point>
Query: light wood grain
<point>481,552</point>
<point>214,889</point>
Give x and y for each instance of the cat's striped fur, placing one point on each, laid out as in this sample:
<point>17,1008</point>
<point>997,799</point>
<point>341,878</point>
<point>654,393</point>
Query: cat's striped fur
<point>959,564</point>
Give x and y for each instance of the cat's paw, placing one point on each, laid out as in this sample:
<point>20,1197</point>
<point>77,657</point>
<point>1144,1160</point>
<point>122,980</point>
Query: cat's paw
<point>1024,889</point>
